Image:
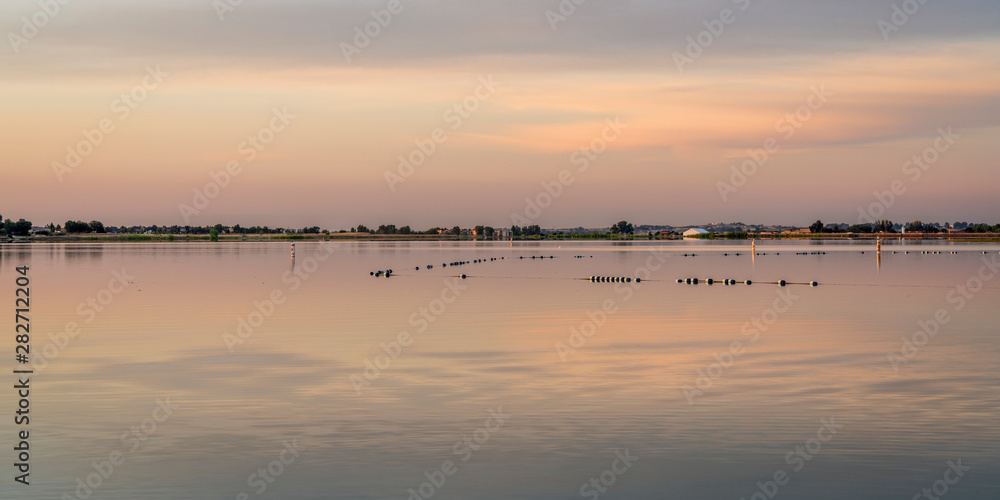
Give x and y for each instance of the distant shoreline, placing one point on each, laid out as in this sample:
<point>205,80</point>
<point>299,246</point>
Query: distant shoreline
<point>257,238</point>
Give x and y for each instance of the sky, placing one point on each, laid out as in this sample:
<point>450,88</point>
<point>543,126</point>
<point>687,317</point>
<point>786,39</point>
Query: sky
<point>450,112</point>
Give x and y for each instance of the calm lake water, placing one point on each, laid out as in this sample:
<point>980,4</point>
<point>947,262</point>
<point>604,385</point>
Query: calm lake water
<point>810,397</point>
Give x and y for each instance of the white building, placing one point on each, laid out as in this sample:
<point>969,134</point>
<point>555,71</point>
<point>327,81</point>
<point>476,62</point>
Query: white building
<point>695,231</point>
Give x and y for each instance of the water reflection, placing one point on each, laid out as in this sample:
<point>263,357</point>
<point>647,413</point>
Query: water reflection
<point>495,344</point>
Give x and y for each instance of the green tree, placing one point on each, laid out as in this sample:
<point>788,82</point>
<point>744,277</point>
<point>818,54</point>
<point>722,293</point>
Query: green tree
<point>456,230</point>
<point>623,227</point>
<point>884,226</point>
<point>916,227</point>
<point>213,234</point>
<point>19,228</point>
<point>73,226</point>
<point>362,229</point>
<point>816,227</point>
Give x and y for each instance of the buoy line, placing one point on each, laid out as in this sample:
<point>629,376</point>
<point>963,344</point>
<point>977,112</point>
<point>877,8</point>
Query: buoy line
<point>712,281</point>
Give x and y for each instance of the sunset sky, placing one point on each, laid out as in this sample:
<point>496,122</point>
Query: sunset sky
<point>204,76</point>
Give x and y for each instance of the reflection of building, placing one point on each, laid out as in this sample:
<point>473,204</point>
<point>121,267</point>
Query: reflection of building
<point>695,231</point>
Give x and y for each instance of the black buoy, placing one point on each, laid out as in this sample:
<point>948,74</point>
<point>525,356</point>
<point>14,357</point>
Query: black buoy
<point>418,268</point>
<point>694,281</point>
<point>638,280</point>
<point>710,281</point>
<point>782,283</point>
<point>680,280</point>
<point>688,281</point>
<point>814,284</point>
<point>749,282</point>
<point>373,273</point>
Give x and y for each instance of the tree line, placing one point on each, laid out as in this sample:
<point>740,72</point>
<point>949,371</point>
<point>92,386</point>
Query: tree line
<point>623,228</point>
<point>887,226</point>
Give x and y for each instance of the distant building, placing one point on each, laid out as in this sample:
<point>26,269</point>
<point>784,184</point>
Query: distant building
<point>695,231</point>
<point>38,231</point>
